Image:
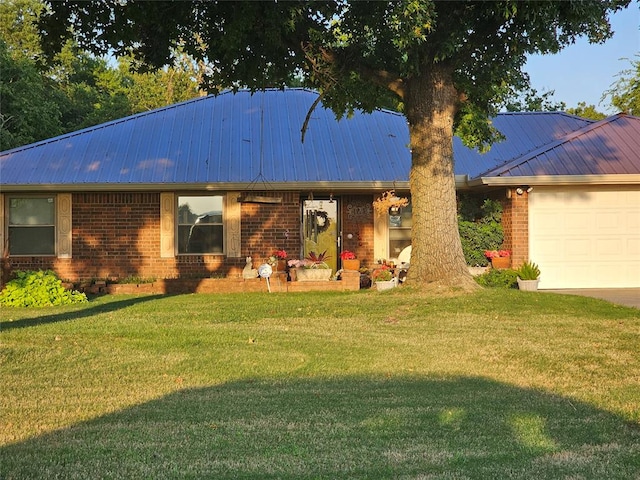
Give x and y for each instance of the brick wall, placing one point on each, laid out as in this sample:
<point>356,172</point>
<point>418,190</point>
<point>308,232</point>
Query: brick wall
<point>269,227</point>
<point>357,220</point>
<point>515,224</point>
<point>116,235</point>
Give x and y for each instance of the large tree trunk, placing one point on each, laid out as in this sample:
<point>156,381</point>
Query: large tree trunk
<point>431,102</point>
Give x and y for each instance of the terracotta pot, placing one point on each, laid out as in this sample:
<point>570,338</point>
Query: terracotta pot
<point>353,264</point>
<point>501,262</point>
<point>281,266</point>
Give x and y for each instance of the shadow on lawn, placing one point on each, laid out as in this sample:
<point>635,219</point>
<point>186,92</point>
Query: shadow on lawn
<point>82,312</point>
<point>354,427</point>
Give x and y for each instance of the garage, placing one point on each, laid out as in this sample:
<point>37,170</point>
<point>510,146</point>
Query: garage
<point>587,236</point>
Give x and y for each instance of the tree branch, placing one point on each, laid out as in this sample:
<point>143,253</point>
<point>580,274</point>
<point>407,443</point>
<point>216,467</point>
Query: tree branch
<point>303,130</point>
<point>384,78</point>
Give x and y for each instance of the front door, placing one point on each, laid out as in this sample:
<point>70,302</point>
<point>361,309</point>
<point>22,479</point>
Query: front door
<point>320,229</point>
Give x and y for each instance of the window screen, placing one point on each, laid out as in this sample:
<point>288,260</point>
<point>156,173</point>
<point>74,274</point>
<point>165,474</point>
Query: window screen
<point>32,229</point>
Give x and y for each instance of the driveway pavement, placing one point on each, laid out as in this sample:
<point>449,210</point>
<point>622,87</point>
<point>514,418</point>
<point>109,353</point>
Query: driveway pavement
<point>629,297</point>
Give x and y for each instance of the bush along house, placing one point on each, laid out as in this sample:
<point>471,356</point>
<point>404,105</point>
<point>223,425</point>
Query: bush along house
<point>193,189</point>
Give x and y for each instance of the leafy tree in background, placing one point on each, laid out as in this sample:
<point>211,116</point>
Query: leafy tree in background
<point>28,111</point>
<point>76,89</point>
<point>146,91</point>
<point>18,27</point>
<point>625,93</point>
<point>449,63</point>
<point>531,101</point>
<point>586,111</point>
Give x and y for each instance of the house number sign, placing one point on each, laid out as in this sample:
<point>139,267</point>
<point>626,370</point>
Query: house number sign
<point>359,211</point>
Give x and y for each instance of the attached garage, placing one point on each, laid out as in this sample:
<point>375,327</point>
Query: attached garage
<point>573,206</point>
<point>586,236</point>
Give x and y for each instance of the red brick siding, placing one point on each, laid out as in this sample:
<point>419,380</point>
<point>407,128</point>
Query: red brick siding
<point>116,235</point>
<point>269,227</point>
<point>515,224</point>
<point>357,220</point>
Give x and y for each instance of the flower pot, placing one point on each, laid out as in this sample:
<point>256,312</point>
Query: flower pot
<point>313,274</point>
<point>281,266</point>
<point>353,264</point>
<point>383,285</point>
<point>528,285</point>
<point>501,262</point>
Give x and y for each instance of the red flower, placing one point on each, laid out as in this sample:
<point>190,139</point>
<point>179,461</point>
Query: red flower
<point>381,273</point>
<point>281,254</point>
<point>497,253</point>
<point>347,255</point>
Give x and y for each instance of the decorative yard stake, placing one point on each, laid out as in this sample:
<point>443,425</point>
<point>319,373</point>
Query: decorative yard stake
<point>265,272</point>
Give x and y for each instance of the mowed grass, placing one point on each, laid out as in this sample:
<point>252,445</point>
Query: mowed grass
<point>402,384</point>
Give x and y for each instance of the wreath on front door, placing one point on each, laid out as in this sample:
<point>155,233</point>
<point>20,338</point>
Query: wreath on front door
<point>318,221</point>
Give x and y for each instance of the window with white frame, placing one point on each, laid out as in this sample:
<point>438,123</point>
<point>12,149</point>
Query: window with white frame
<point>200,224</point>
<point>31,225</point>
<point>399,231</point>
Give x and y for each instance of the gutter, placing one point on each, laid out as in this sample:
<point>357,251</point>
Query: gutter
<point>462,182</point>
<point>333,187</point>
<point>627,179</point>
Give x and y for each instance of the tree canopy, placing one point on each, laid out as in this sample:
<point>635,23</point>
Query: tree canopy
<point>625,92</point>
<point>450,64</point>
<point>77,89</point>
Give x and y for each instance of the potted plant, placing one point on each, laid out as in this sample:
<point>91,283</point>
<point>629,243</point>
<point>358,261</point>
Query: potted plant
<point>278,260</point>
<point>499,258</point>
<point>313,267</point>
<point>528,277</point>
<point>383,278</point>
<point>294,265</point>
<point>389,202</point>
<point>349,260</point>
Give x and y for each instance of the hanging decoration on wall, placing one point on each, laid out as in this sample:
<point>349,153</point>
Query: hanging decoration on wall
<point>389,202</point>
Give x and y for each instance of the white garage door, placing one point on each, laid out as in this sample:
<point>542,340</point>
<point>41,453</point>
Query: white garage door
<point>585,237</point>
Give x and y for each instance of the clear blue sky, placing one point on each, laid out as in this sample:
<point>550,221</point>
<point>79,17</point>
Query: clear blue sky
<point>583,72</point>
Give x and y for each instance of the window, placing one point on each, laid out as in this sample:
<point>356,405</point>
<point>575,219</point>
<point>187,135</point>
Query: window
<point>32,229</point>
<point>200,224</point>
<point>399,231</point>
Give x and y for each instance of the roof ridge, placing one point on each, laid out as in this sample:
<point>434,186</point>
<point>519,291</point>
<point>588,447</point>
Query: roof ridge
<point>505,167</point>
<point>550,112</point>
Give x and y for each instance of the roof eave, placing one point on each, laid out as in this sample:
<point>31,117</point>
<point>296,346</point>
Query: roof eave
<point>334,187</point>
<point>630,179</point>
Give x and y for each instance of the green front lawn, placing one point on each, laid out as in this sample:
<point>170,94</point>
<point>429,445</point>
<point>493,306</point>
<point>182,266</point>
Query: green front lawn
<point>497,384</point>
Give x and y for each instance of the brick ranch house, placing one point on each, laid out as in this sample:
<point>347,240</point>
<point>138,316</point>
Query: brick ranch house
<point>192,189</point>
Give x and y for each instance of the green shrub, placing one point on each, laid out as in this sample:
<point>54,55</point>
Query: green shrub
<point>38,289</point>
<point>498,278</point>
<point>480,228</point>
<point>528,271</point>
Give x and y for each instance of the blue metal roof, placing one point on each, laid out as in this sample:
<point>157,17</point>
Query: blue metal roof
<point>232,139</point>
<point>524,132</point>
<point>608,147</point>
